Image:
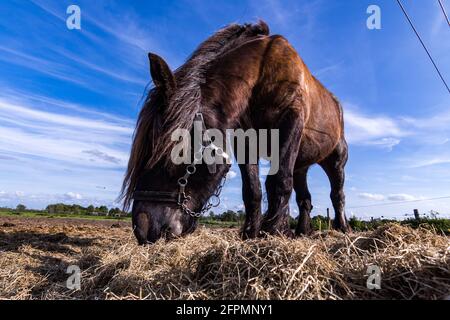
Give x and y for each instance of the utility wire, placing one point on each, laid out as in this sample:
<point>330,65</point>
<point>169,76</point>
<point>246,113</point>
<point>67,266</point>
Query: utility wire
<point>443,11</point>
<point>398,202</point>
<point>423,44</point>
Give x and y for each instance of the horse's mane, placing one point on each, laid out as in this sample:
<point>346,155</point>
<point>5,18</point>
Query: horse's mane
<point>152,138</point>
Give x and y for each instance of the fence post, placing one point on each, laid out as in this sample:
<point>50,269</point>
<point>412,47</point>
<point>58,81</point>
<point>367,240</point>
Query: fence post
<point>328,219</point>
<point>416,214</point>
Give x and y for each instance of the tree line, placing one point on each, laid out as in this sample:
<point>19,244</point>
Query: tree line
<point>237,218</point>
<point>91,210</point>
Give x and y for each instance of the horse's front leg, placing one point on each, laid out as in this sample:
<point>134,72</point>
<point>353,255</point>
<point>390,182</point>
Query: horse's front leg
<point>279,186</point>
<point>252,195</point>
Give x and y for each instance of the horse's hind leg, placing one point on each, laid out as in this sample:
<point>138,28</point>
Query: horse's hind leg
<point>279,186</point>
<point>334,167</point>
<point>252,195</point>
<point>303,197</point>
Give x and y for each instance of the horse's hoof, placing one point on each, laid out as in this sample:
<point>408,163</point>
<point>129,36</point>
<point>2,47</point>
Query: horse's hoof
<point>288,234</point>
<point>306,233</point>
<point>344,229</point>
<point>304,230</point>
<point>249,234</point>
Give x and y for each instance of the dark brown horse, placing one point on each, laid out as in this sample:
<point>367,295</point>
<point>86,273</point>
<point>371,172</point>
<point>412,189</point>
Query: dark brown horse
<point>241,77</point>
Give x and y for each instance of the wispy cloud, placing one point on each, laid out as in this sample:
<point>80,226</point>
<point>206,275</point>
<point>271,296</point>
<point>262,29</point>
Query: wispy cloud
<point>103,156</point>
<point>78,139</point>
<point>91,64</point>
<point>231,174</point>
<point>43,66</point>
<point>403,197</point>
<point>371,196</point>
<point>109,70</point>
<point>430,161</point>
<point>389,197</point>
<point>377,131</point>
<point>38,102</point>
<point>28,114</point>
<point>42,199</point>
<point>76,155</point>
<point>387,131</point>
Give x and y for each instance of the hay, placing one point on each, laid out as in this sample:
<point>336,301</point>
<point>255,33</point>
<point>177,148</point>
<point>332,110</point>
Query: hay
<point>216,264</point>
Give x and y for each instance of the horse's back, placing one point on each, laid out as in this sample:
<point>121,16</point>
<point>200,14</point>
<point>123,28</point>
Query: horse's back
<point>269,73</point>
<point>288,83</point>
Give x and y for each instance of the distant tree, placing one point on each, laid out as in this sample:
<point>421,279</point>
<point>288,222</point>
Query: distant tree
<point>75,209</point>
<point>115,211</point>
<point>229,216</point>
<point>211,215</point>
<point>21,207</point>
<point>90,209</point>
<point>60,208</point>
<point>103,210</point>
<point>241,215</point>
<point>50,208</point>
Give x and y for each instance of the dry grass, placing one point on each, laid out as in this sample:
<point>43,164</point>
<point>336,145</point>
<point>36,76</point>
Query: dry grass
<point>215,264</point>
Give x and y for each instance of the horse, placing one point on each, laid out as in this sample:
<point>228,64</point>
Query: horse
<point>240,77</point>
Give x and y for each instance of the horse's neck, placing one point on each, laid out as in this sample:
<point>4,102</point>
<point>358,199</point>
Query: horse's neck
<point>226,114</point>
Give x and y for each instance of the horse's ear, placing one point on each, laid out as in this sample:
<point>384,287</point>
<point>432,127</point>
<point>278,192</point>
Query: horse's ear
<point>162,77</point>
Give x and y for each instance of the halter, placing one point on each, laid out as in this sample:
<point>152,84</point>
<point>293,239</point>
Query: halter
<point>180,198</point>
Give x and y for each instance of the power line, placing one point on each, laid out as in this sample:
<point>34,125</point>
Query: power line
<point>398,202</point>
<point>423,44</point>
<point>443,11</point>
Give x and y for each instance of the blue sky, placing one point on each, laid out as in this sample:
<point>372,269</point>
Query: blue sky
<point>70,98</point>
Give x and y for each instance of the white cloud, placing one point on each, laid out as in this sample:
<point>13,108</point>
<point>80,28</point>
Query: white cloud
<point>231,174</point>
<point>378,131</point>
<point>103,156</point>
<point>371,196</point>
<point>42,66</point>
<point>125,63</point>
<point>53,142</point>
<point>8,195</point>
<point>81,139</point>
<point>73,196</point>
<point>387,143</point>
<point>403,197</point>
<point>30,114</point>
<point>41,200</point>
<point>389,197</point>
<point>264,170</point>
<point>431,162</point>
<point>387,132</point>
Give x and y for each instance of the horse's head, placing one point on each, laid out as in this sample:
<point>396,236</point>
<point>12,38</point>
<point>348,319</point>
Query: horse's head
<point>166,195</point>
<point>156,209</point>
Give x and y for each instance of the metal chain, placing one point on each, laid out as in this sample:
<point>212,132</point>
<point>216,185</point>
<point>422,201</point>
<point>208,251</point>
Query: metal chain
<point>210,204</point>
<point>183,199</point>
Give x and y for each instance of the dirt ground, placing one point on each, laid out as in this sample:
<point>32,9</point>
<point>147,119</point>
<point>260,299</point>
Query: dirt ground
<point>215,264</point>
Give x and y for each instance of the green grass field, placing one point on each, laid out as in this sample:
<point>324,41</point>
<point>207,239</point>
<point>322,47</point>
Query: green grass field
<point>442,225</point>
<point>39,214</point>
